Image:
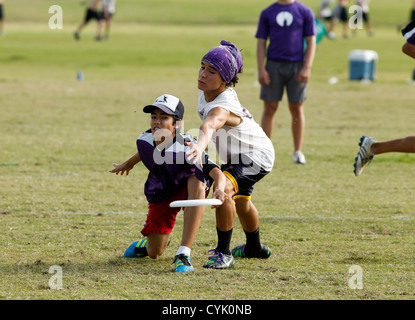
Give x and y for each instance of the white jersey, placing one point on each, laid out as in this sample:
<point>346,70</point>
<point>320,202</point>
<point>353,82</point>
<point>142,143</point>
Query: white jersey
<point>110,4</point>
<point>247,138</point>
<point>364,4</point>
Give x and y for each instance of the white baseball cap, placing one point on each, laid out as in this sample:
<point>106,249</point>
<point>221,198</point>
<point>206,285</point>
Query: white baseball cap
<point>169,104</point>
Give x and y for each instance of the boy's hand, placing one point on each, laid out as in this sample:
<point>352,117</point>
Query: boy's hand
<point>121,168</point>
<point>194,154</point>
<point>221,195</point>
<point>304,75</point>
<point>263,77</point>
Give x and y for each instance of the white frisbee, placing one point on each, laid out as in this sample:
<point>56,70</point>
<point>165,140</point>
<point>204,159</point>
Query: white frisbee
<point>195,203</point>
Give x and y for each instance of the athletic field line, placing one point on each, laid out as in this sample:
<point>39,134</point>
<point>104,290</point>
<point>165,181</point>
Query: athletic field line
<point>285,217</point>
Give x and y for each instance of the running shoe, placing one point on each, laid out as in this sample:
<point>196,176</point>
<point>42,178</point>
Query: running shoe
<point>240,252</point>
<point>365,154</point>
<point>182,263</point>
<point>219,260</point>
<point>298,157</point>
<point>137,249</point>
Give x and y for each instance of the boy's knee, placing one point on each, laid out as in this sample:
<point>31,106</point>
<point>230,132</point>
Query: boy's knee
<point>195,187</point>
<point>154,255</point>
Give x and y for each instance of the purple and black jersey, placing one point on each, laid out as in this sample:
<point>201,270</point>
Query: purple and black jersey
<point>286,26</point>
<point>168,168</point>
<point>409,32</point>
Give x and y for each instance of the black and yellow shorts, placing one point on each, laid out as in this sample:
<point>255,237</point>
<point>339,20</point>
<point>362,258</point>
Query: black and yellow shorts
<point>243,177</point>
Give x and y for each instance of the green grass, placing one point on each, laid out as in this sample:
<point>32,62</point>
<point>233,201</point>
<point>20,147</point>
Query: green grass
<point>59,137</point>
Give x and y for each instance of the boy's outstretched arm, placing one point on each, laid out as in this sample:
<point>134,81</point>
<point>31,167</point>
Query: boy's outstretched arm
<point>219,185</point>
<point>126,166</point>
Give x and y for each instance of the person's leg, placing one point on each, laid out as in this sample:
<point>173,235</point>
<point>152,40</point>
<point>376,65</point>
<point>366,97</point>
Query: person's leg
<point>298,124</point>
<point>101,23</point>
<point>247,214</point>
<point>406,144</point>
<point>157,244</point>
<point>221,257</point>
<point>108,27</point>
<point>245,177</point>
<point>88,17</point>
<point>297,92</point>
<point>267,120</point>
<point>80,27</point>
<point>249,218</point>
<point>345,29</point>
<point>192,216</point>
<point>157,228</point>
<point>272,94</point>
<point>225,217</point>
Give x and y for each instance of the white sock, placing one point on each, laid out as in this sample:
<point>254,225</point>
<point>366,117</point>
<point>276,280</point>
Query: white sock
<point>183,250</point>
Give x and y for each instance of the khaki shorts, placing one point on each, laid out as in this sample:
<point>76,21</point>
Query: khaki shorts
<point>283,74</point>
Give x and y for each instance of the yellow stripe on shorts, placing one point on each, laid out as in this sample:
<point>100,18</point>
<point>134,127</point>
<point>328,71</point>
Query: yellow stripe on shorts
<point>241,197</point>
<point>234,183</point>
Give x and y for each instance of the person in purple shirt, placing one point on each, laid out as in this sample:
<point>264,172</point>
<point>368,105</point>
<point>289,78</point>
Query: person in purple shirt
<point>369,147</point>
<point>162,150</point>
<point>286,24</point>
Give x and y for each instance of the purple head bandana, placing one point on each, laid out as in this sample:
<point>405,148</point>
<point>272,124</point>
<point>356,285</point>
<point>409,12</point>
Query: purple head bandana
<point>226,59</point>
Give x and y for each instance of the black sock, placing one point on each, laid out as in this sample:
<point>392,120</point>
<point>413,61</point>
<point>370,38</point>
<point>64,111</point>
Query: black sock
<point>253,242</point>
<point>224,241</point>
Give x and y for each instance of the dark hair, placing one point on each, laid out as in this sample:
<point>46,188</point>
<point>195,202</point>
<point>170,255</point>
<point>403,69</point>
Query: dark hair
<point>234,81</point>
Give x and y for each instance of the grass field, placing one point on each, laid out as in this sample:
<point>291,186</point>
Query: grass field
<point>59,206</point>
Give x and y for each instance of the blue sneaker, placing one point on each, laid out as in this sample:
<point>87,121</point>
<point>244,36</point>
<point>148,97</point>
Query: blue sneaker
<point>182,263</point>
<point>137,249</point>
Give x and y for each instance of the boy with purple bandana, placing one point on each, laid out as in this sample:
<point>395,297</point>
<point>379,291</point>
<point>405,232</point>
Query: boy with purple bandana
<point>246,153</point>
<point>286,24</point>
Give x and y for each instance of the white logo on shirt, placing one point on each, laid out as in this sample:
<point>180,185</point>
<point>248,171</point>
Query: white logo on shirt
<point>285,19</point>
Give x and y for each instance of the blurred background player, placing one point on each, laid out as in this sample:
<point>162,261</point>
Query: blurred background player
<point>107,12</point>
<point>288,24</point>
<point>1,18</point>
<point>340,13</point>
<point>364,4</point>
<point>170,178</point>
<point>92,13</point>
<point>369,147</point>
<point>325,12</point>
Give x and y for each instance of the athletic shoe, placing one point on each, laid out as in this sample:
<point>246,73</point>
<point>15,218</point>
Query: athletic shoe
<point>365,154</point>
<point>219,260</point>
<point>182,263</point>
<point>240,252</point>
<point>76,35</point>
<point>137,249</point>
<point>331,36</point>
<point>298,157</point>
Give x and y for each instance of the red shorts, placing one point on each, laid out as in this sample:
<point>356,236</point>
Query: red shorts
<point>160,217</point>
